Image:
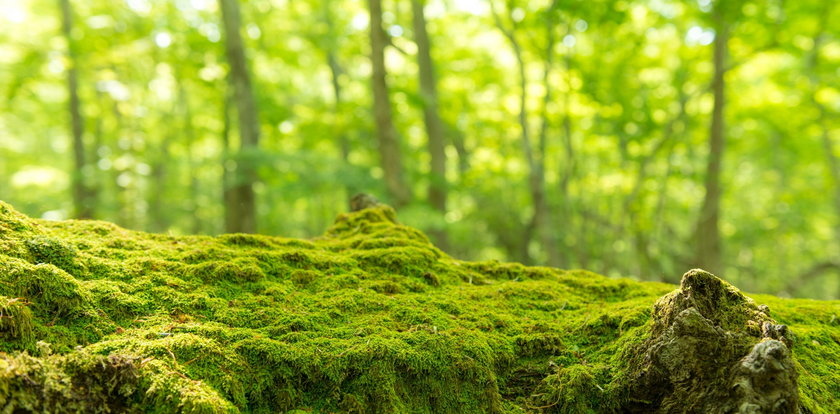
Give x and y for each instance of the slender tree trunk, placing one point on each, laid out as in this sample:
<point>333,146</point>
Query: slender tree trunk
<point>192,202</point>
<point>389,148</point>
<point>832,161</point>
<point>241,205</point>
<point>568,170</point>
<point>83,201</point>
<point>335,73</point>
<point>124,205</point>
<point>192,168</point>
<point>158,211</point>
<point>431,117</point>
<point>543,217</point>
<point>341,135</point>
<point>632,210</point>
<point>708,248</point>
<point>536,177</point>
<point>158,216</point>
<point>228,189</point>
<point>460,149</point>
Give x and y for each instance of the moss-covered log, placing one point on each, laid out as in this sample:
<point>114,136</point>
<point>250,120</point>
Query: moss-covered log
<point>372,318</point>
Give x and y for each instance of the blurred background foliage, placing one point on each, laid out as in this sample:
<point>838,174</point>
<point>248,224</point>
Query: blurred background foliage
<point>597,134</point>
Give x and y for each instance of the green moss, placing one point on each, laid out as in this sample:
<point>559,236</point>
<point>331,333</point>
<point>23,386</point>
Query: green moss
<point>52,251</point>
<point>368,318</point>
<point>577,389</point>
<point>72,383</point>
<point>15,319</point>
<point>46,286</point>
<point>241,269</point>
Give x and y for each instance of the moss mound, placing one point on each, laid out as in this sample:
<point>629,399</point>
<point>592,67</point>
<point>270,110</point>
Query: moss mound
<point>369,318</point>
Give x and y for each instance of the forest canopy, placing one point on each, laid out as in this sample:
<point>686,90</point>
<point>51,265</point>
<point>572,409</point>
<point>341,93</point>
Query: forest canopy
<point>630,138</point>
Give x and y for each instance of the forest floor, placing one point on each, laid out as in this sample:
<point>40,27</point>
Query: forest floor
<point>371,317</point>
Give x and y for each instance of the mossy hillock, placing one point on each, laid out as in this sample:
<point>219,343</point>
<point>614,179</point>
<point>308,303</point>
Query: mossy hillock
<point>372,318</point>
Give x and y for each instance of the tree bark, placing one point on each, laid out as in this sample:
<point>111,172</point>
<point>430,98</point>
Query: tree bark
<point>389,148</point>
<point>707,234</point>
<point>83,198</point>
<point>437,192</point>
<point>241,205</point>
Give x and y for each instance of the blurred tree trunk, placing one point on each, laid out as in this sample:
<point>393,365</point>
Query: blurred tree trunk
<point>828,145</point>
<point>341,135</point>
<point>159,213</point>
<point>539,222</point>
<point>192,202</point>
<point>241,209</point>
<point>544,220</point>
<point>460,149</point>
<point>335,74</point>
<point>832,162</point>
<point>389,148</point>
<point>632,207</point>
<point>431,117</point>
<point>84,199</point>
<point>228,190</point>
<point>567,170</point>
<point>707,233</point>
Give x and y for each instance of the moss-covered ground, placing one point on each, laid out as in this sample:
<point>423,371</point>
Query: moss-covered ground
<point>368,318</point>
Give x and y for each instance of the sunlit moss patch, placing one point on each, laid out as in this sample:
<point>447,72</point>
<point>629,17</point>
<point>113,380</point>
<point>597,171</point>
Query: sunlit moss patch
<point>368,318</point>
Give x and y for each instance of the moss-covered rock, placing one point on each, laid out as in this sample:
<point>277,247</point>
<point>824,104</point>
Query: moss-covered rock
<point>711,349</point>
<point>372,318</point>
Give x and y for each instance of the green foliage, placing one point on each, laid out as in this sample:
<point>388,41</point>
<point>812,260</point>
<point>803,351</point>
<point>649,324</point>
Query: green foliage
<point>619,90</point>
<point>267,324</point>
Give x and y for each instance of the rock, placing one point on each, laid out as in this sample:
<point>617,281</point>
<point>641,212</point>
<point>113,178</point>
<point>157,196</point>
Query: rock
<point>706,355</point>
<point>765,380</point>
<point>362,201</point>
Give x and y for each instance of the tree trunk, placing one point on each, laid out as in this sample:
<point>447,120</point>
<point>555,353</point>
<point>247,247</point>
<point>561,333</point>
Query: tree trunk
<point>83,199</point>
<point>389,148</point>
<point>228,190</point>
<point>832,162</point>
<point>567,169</point>
<point>460,149</point>
<point>335,73</point>
<point>341,135</point>
<point>543,218</point>
<point>431,118</point>
<point>192,203</point>
<point>708,248</point>
<point>241,205</point>
<point>159,212</point>
<point>536,176</point>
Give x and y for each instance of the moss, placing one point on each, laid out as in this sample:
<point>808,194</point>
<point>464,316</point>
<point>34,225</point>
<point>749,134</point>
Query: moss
<point>15,319</point>
<point>73,383</point>
<point>53,251</point>
<point>45,285</point>
<point>576,389</point>
<point>241,269</point>
<point>368,318</point>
